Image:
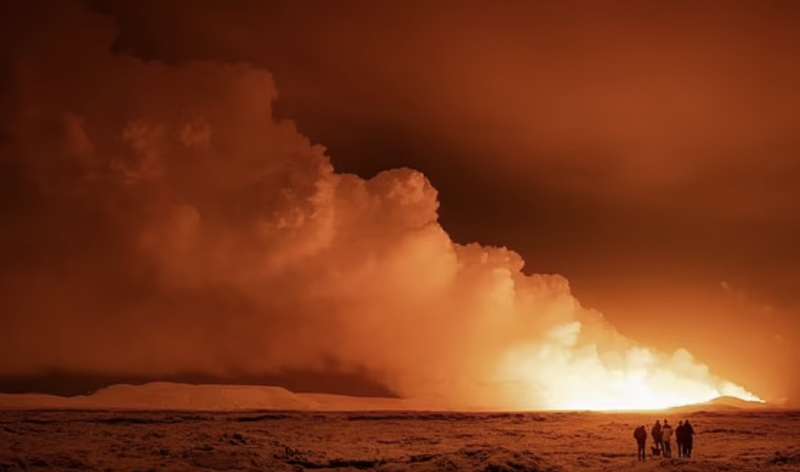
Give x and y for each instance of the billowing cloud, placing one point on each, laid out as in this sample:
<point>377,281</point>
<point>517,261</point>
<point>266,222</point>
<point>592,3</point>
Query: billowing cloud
<point>167,222</point>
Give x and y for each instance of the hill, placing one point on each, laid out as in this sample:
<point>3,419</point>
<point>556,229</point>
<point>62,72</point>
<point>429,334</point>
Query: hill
<point>175,396</point>
<point>720,404</point>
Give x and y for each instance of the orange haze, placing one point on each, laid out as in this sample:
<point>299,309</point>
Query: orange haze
<point>164,221</point>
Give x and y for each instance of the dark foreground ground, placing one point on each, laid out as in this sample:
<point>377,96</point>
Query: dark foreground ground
<point>273,441</point>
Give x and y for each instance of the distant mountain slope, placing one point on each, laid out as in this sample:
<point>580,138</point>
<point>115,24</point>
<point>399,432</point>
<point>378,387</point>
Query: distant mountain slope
<point>721,403</point>
<point>174,396</point>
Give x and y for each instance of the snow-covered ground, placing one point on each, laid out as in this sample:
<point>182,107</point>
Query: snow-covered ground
<point>164,426</point>
<point>387,441</point>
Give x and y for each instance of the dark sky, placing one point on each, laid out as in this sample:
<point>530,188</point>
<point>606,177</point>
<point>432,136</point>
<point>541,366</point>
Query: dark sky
<point>647,151</point>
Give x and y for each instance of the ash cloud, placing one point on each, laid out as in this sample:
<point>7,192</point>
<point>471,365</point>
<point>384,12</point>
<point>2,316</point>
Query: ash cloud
<point>161,220</point>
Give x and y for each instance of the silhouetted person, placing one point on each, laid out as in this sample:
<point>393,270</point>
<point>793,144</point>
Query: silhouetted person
<point>666,438</point>
<point>679,435</point>
<point>656,433</point>
<point>688,439</point>
<point>640,434</point>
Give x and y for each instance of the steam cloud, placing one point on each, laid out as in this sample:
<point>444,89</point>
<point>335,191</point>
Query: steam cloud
<point>163,221</point>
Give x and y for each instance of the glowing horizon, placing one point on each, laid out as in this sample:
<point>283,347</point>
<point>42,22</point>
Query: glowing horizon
<point>569,377</point>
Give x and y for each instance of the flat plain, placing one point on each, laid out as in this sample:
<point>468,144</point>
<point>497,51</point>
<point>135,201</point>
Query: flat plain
<point>384,441</point>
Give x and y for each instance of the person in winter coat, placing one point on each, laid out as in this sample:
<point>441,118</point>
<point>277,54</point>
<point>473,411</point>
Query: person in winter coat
<point>688,439</point>
<point>655,431</point>
<point>666,438</point>
<point>640,434</point>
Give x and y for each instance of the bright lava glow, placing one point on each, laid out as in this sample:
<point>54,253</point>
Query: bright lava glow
<point>571,376</point>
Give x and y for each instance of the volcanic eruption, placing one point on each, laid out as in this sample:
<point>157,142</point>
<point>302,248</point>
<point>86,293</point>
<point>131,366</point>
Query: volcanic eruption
<point>164,221</point>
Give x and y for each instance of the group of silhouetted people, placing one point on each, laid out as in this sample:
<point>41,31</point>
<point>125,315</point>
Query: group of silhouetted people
<point>662,439</point>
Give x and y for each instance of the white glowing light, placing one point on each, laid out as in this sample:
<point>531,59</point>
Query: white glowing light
<point>568,376</point>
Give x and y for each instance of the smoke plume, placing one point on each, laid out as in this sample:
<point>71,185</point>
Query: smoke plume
<point>159,220</point>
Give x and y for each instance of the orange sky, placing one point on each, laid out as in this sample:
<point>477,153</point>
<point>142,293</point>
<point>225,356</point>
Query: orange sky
<point>647,153</point>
